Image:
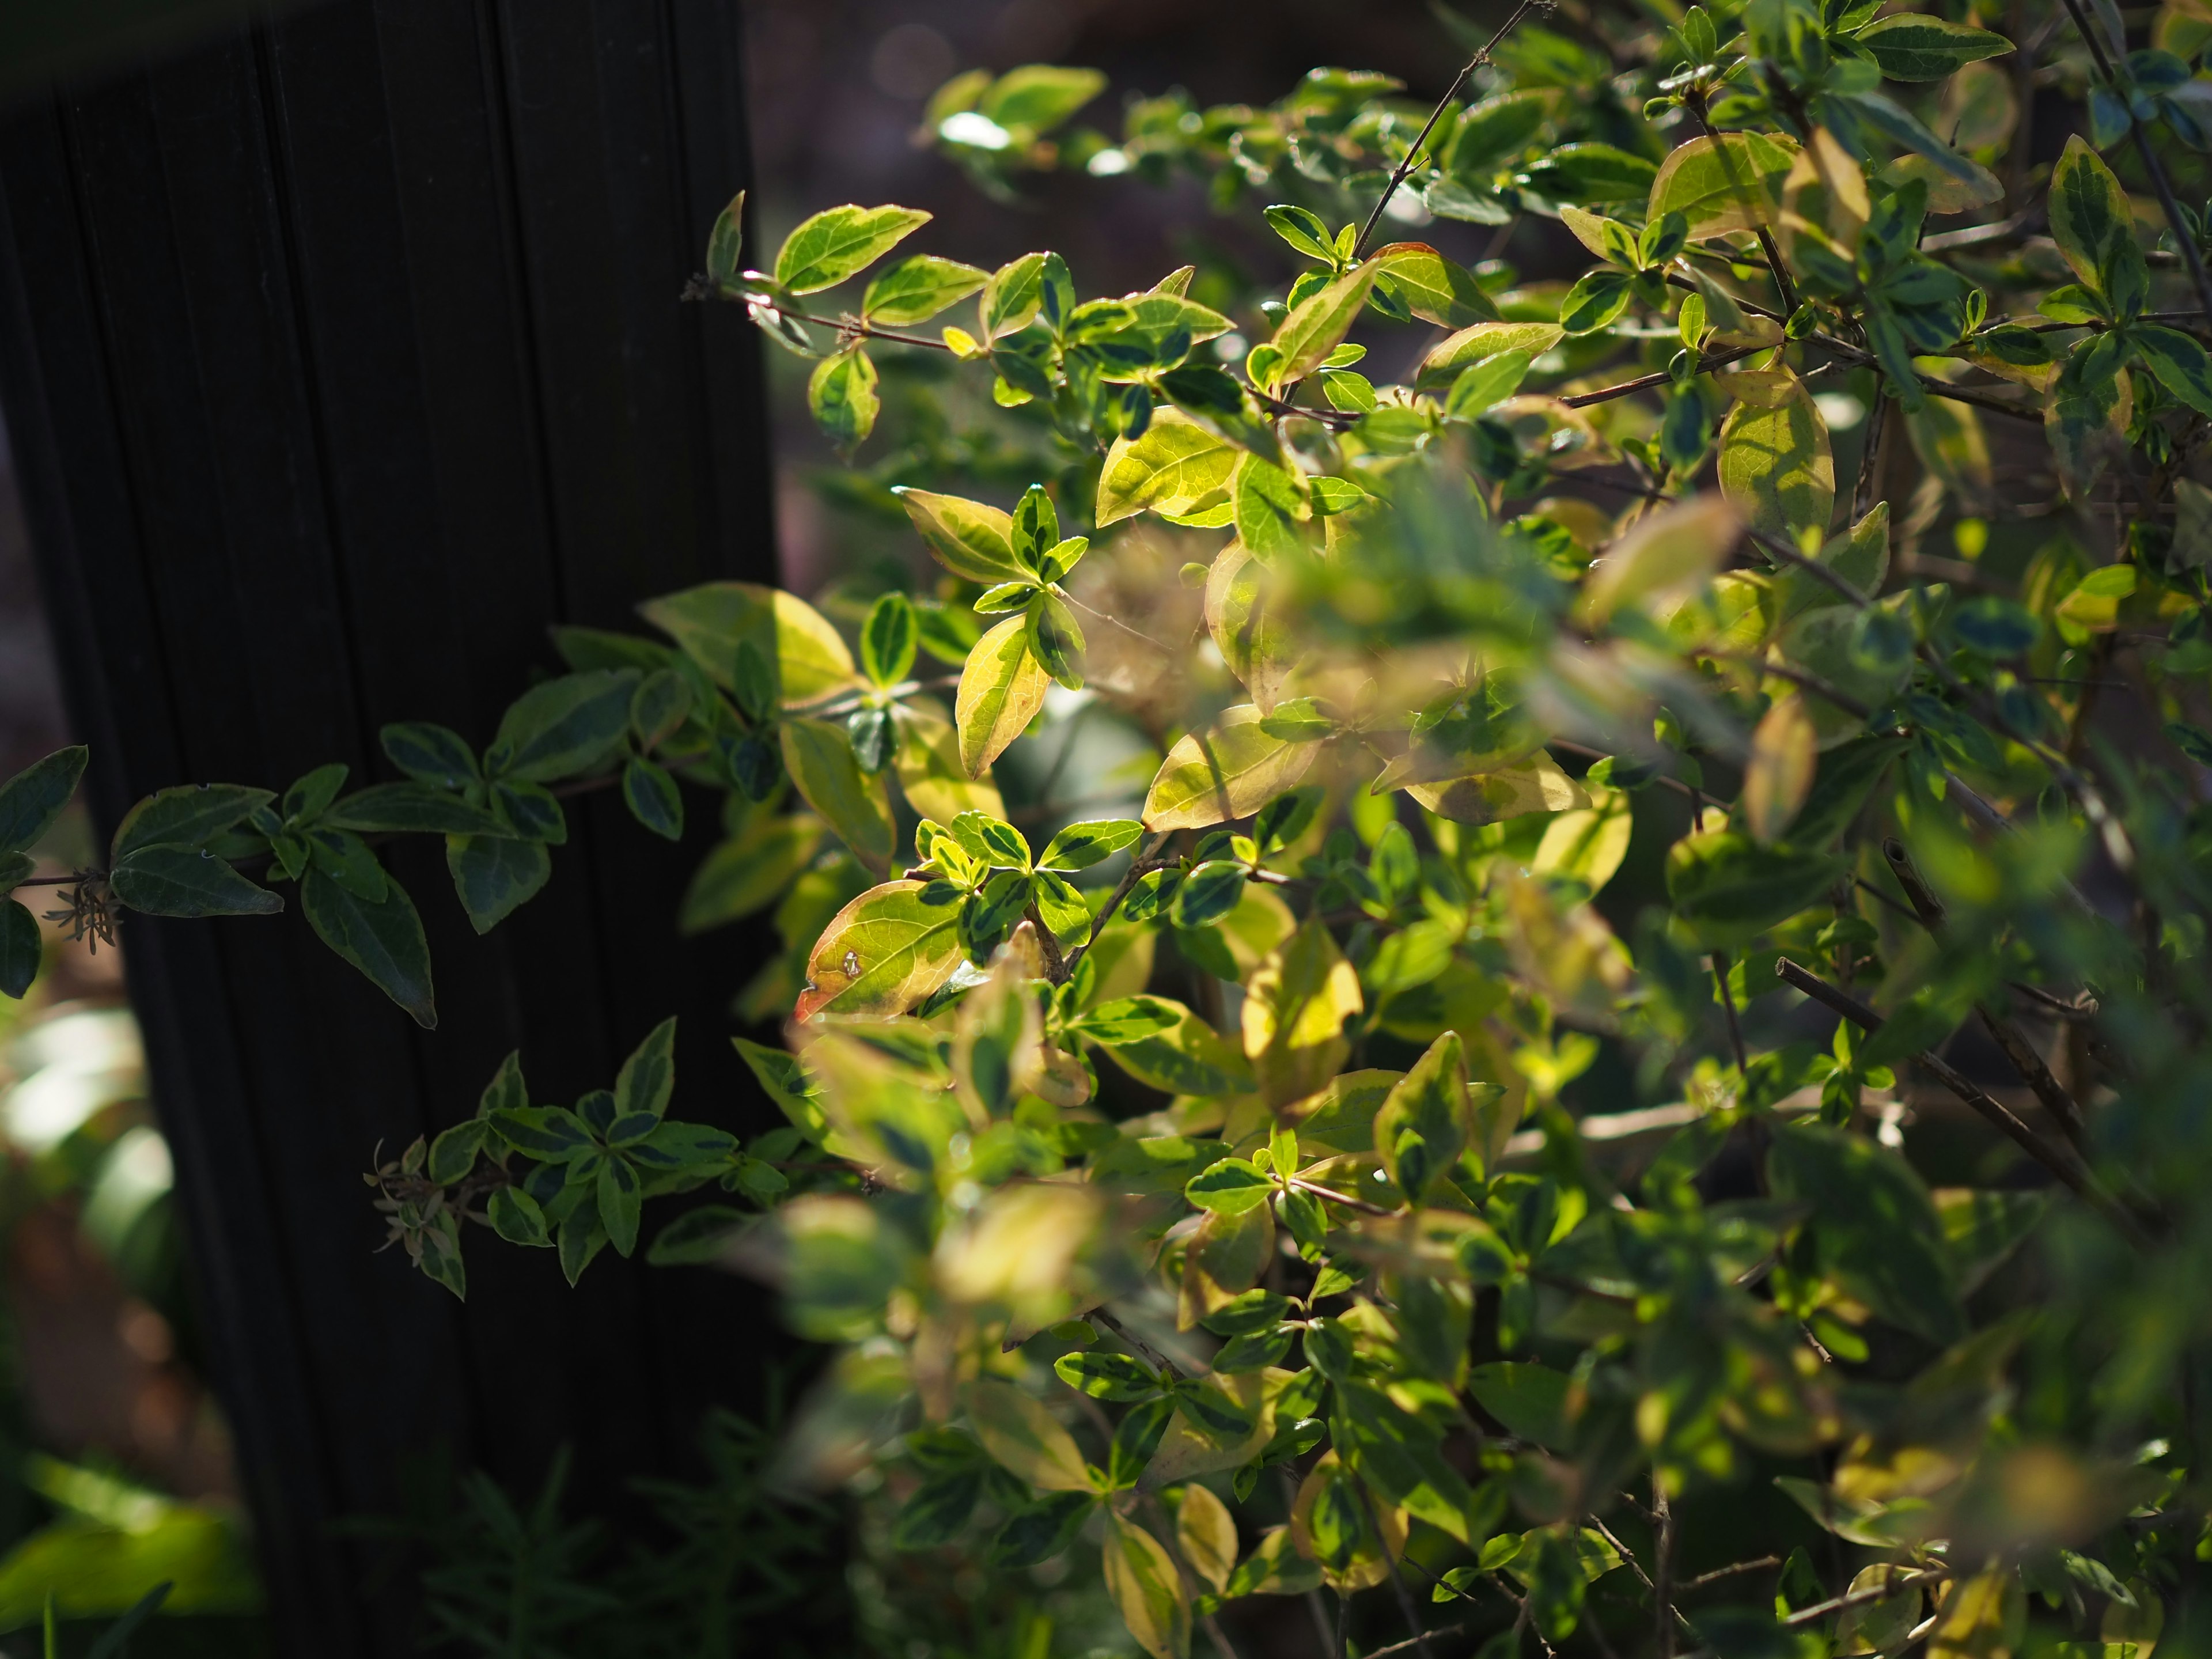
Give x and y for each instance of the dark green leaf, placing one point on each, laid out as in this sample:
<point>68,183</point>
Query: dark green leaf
<point>32,800</point>
<point>493,874</point>
<point>653,798</point>
<point>21,949</point>
<point>410,809</point>
<point>564,727</point>
<point>182,880</point>
<point>384,940</point>
<point>430,754</point>
<point>190,814</point>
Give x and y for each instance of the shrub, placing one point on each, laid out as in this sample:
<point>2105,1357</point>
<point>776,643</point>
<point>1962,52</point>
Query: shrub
<point>1582,834</point>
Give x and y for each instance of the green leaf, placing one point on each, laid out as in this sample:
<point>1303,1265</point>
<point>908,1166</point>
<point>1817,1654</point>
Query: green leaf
<point>1190,1059</point>
<point>1530,1401</point>
<point>1860,556</point>
<point>842,395</point>
<point>1592,172</point>
<point>2095,228</point>
<point>1079,846</point>
<point>1229,771</point>
<point>1911,46</point>
<point>659,706</point>
<point>21,949</point>
<point>1269,509</point>
<point>1427,1120</point>
<point>917,287</point>
<point>32,800</point>
<point>1728,890</point>
<point>749,871</point>
<point>384,940</point>
<point>798,643</point>
<point>827,248</point>
<point>887,951</point>
<point>1874,1230</point>
<point>1054,638</point>
<point>1484,341</point>
<point>1107,1376</point>
<point>1774,467</point>
<point>1129,1019</point>
<point>726,242</point>
<point>819,757</point>
<point>1315,327</point>
<point>1172,467</point>
<point>2182,367</point>
<point>699,1237</point>
<point>495,874</point>
<point>1002,689</point>
<point>1483,386</point>
<point>408,809</point>
<point>888,640</point>
<point>516,1218</point>
<point>189,815</point>
<point>653,799</point>
<point>1435,288</point>
<point>564,727</point>
<point>181,880</point>
<point>552,1133</point>
<point>581,1239</point>
<point>454,1153</point>
<point>1229,1188</point>
<point>648,1076</point>
<point>621,1202</point>
<point>1012,296</point>
<point>1038,97</point>
<point>430,754</point>
<point>1596,300</point>
<point>1732,181</point>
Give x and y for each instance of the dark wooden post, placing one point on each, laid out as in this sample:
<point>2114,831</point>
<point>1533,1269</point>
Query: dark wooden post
<point>341,357</point>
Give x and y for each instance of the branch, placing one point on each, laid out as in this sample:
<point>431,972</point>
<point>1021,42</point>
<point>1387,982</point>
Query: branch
<point>1412,155</point>
<point>2059,1163</point>
<point>1643,382</point>
<point>2017,1049</point>
<point>1140,866</point>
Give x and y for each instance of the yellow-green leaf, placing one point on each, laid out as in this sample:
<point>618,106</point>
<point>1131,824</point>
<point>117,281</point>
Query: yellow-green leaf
<point>1230,770</point>
<point>1784,750</point>
<point>1439,291</point>
<point>2093,224</point>
<point>1911,46</point>
<point>885,952</point>
<point>973,541</point>
<point>1296,1003</point>
<point>917,287</point>
<point>1483,341</point>
<point>1025,1438</point>
<point>1002,689</point>
<point>1207,1534</point>
<point>826,249</point>
<point>927,761</point>
<point>1860,556</point>
<point>842,395</point>
<point>1317,324</point>
<point>806,653</point>
<point>1189,1058</point>
<point>749,871</point>
<point>1673,549</point>
<point>1147,1590</point>
<point>1732,181</point>
<point>1775,467</point>
<point>1241,614</point>
<point>1426,1120</point>
<point>819,757</point>
<point>1535,785</point>
<point>1173,467</point>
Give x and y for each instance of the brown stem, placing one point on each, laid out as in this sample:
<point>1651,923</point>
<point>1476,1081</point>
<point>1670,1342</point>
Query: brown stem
<point>1663,1567</point>
<point>1644,382</point>
<point>2067,1167</point>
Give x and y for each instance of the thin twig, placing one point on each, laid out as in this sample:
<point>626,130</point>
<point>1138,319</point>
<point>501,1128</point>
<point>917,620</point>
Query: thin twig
<point>1728,1008</point>
<point>1644,382</point>
<point>2068,1169</point>
<point>1412,155</point>
<point>1719,1573</point>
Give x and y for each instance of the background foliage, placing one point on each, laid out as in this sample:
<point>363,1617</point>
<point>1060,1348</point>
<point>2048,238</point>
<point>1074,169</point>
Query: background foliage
<point>1628,1079</point>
